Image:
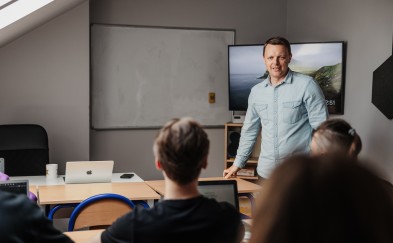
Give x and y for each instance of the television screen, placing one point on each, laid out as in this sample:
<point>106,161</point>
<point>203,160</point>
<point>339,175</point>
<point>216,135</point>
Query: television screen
<point>323,61</point>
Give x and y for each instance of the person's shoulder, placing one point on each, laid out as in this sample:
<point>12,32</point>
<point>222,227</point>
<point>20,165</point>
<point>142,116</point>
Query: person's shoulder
<point>388,186</point>
<point>226,214</point>
<point>229,209</point>
<point>19,206</point>
<point>223,208</point>
<point>140,214</point>
<point>302,77</point>
<point>155,214</point>
<point>23,219</point>
<point>126,224</point>
<point>10,201</point>
<point>7,196</point>
<point>259,86</point>
<point>12,206</point>
<point>303,81</point>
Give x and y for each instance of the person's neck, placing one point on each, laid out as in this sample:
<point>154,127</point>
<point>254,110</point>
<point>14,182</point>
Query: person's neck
<point>275,82</point>
<point>176,191</point>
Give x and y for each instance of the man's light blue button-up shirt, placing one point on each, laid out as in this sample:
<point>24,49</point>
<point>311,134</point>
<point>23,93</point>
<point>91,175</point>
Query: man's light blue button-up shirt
<point>287,114</point>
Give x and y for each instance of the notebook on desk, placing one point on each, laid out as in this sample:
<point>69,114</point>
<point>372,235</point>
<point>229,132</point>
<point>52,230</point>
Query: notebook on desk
<point>221,190</point>
<point>88,171</point>
<point>15,186</point>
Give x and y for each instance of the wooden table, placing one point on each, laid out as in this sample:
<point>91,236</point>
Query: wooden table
<point>43,181</point>
<point>243,186</point>
<point>33,189</point>
<point>83,235</point>
<point>75,193</point>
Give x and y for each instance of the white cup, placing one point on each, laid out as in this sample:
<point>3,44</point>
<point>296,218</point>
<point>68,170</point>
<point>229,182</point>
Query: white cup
<point>51,171</point>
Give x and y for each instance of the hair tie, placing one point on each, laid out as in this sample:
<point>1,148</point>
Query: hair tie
<point>351,132</point>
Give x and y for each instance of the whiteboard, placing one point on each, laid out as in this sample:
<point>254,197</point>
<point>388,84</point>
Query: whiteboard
<point>142,77</point>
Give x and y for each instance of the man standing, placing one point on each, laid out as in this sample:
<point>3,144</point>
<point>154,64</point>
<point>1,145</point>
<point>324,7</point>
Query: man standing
<point>287,105</point>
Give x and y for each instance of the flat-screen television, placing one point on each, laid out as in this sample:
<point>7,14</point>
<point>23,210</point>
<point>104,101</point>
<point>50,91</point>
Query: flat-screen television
<point>324,61</point>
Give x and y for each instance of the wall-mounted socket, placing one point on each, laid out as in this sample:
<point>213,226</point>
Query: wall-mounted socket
<point>212,97</point>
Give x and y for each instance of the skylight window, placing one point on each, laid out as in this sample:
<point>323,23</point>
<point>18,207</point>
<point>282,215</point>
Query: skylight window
<point>5,3</point>
<point>13,10</point>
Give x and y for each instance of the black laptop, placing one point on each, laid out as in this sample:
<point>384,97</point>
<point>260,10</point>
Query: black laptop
<point>221,190</point>
<point>15,186</point>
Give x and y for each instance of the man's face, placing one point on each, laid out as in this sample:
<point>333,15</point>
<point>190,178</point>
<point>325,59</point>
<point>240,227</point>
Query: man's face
<point>277,59</point>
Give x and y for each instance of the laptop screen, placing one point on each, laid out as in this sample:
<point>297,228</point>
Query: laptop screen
<point>15,186</point>
<point>221,190</point>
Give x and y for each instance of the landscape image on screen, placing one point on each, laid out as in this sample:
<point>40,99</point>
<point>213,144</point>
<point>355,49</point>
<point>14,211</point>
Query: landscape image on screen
<point>322,61</point>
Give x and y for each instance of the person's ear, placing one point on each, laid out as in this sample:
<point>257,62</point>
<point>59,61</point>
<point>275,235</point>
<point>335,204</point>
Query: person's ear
<point>351,151</point>
<point>158,164</point>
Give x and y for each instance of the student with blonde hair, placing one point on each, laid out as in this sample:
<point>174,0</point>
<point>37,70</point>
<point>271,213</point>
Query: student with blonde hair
<point>184,215</point>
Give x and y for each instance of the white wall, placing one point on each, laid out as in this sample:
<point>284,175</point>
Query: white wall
<point>254,21</point>
<point>44,75</point>
<point>367,27</point>
<point>44,78</point>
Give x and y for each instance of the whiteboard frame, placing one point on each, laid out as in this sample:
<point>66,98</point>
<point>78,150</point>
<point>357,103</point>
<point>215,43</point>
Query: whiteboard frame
<point>93,124</point>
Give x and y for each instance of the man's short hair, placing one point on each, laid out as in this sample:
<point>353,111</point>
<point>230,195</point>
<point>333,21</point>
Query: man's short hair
<point>278,40</point>
<point>182,147</point>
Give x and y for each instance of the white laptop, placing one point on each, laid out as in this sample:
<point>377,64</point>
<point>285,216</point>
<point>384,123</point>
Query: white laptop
<point>88,171</point>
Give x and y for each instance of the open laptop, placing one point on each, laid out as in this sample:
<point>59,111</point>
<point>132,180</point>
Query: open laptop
<point>88,171</point>
<point>221,190</point>
<point>15,186</point>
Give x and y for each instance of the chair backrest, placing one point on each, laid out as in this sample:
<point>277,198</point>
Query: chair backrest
<point>99,211</point>
<point>24,148</point>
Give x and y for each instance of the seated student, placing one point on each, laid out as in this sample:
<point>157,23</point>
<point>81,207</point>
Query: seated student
<point>336,136</point>
<point>323,199</point>
<point>180,150</point>
<point>21,220</point>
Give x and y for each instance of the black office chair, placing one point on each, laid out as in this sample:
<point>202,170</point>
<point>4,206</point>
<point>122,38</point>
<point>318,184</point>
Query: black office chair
<point>24,148</point>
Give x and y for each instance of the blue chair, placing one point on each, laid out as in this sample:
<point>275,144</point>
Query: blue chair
<point>99,211</point>
<point>56,208</point>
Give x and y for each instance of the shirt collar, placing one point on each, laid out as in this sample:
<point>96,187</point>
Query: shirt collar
<point>288,78</point>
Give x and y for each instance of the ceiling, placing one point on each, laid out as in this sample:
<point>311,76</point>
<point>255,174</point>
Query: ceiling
<point>35,19</point>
